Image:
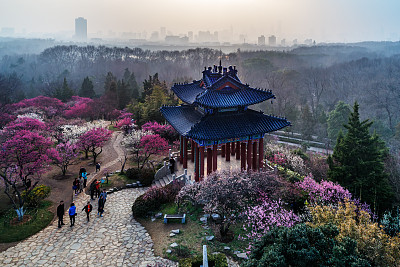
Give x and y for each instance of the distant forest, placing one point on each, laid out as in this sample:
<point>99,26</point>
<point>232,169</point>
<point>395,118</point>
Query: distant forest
<point>308,82</point>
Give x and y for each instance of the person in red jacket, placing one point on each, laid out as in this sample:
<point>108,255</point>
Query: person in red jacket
<point>88,209</point>
<point>97,184</point>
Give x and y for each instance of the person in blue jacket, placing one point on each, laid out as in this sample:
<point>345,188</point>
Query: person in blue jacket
<point>72,214</point>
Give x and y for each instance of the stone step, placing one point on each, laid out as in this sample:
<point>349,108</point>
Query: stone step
<point>166,180</point>
<point>161,181</point>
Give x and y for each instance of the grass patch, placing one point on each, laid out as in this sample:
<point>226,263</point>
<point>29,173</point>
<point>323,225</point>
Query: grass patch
<point>169,208</point>
<point>115,180</point>
<point>40,218</point>
<point>113,128</point>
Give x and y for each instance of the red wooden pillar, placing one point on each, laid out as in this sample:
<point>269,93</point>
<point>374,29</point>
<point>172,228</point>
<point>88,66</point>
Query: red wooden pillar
<point>196,163</point>
<point>249,155</point>
<point>237,150</point>
<point>215,157</point>
<point>243,160</point>
<point>254,155</point>
<point>201,150</point>
<point>209,160</point>
<point>228,151</point>
<point>185,152</point>
<point>181,150</point>
<point>233,149</point>
<point>223,151</point>
<point>193,150</point>
<point>261,154</point>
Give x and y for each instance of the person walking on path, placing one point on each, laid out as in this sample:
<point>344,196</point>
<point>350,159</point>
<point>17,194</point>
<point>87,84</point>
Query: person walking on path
<point>92,188</point>
<point>104,195</point>
<point>72,214</point>
<point>84,175</point>
<point>75,186</point>
<point>97,187</point>
<point>98,166</point>
<point>88,209</point>
<point>60,213</point>
<point>80,184</point>
<point>100,209</point>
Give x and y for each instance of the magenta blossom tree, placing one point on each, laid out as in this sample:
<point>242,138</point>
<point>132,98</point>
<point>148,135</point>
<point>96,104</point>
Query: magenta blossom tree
<point>166,131</point>
<point>80,107</point>
<point>151,145</point>
<point>48,105</point>
<point>25,155</point>
<point>66,156</point>
<point>93,141</point>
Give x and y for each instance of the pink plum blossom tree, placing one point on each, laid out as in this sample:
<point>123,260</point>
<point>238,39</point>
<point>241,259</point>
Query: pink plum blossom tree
<point>151,145</point>
<point>93,141</point>
<point>24,155</point>
<point>66,156</point>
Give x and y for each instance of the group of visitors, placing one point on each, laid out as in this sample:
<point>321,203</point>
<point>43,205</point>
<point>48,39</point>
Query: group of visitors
<point>88,209</point>
<point>80,183</point>
<point>78,186</point>
<point>94,189</point>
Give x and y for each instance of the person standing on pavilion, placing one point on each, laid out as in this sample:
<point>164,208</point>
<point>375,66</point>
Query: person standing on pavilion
<point>172,165</point>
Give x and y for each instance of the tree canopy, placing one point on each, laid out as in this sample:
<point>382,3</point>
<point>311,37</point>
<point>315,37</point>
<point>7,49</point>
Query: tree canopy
<point>357,163</point>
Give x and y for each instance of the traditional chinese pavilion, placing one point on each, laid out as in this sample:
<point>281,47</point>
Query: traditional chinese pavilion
<point>215,116</point>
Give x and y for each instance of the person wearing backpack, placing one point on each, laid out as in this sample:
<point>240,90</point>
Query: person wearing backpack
<point>72,214</point>
<point>88,209</point>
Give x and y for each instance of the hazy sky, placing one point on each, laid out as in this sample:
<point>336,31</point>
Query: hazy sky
<point>322,20</point>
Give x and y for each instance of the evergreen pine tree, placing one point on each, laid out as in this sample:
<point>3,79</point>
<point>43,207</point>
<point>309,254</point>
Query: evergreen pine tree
<point>124,94</point>
<point>64,93</point>
<point>87,88</point>
<point>357,163</point>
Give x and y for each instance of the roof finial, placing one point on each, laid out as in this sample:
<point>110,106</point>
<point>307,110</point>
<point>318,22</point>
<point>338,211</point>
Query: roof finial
<point>220,61</point>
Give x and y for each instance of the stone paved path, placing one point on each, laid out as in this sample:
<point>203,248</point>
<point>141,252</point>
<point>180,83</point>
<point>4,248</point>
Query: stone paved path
<point>115,239</point>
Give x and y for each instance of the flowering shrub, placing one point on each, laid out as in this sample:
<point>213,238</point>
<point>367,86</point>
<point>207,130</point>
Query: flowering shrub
<point>325,192</point>
<point>284,156</point>
<point>372,242</point>
<point>35,196</point>
<point>155,197</point>
<point>263,217</point>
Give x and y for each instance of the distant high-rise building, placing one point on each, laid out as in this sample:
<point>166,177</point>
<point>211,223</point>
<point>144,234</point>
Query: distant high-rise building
<point>81,29</point>
<point>261,40</point>
<point>163,32</point>
<point>190,36</point>
<point>283,42</point>
<point>272,40</point>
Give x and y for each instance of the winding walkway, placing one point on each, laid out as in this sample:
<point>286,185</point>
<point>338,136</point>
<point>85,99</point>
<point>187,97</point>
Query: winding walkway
<point>115,239</point>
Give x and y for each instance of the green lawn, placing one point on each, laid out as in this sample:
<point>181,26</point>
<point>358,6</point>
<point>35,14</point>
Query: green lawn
<point>40,219</point>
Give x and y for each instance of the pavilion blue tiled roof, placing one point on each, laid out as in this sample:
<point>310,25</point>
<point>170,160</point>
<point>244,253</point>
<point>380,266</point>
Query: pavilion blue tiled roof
<point>193,124</point>
<point>230,97</point>
<point>188,92</point>
<point>216,96</point>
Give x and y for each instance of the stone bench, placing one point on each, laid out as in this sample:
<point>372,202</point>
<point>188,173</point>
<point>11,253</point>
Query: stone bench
<point>175,216</point>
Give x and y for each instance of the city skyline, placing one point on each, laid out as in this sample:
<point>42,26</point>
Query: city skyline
<point>324,21</point>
